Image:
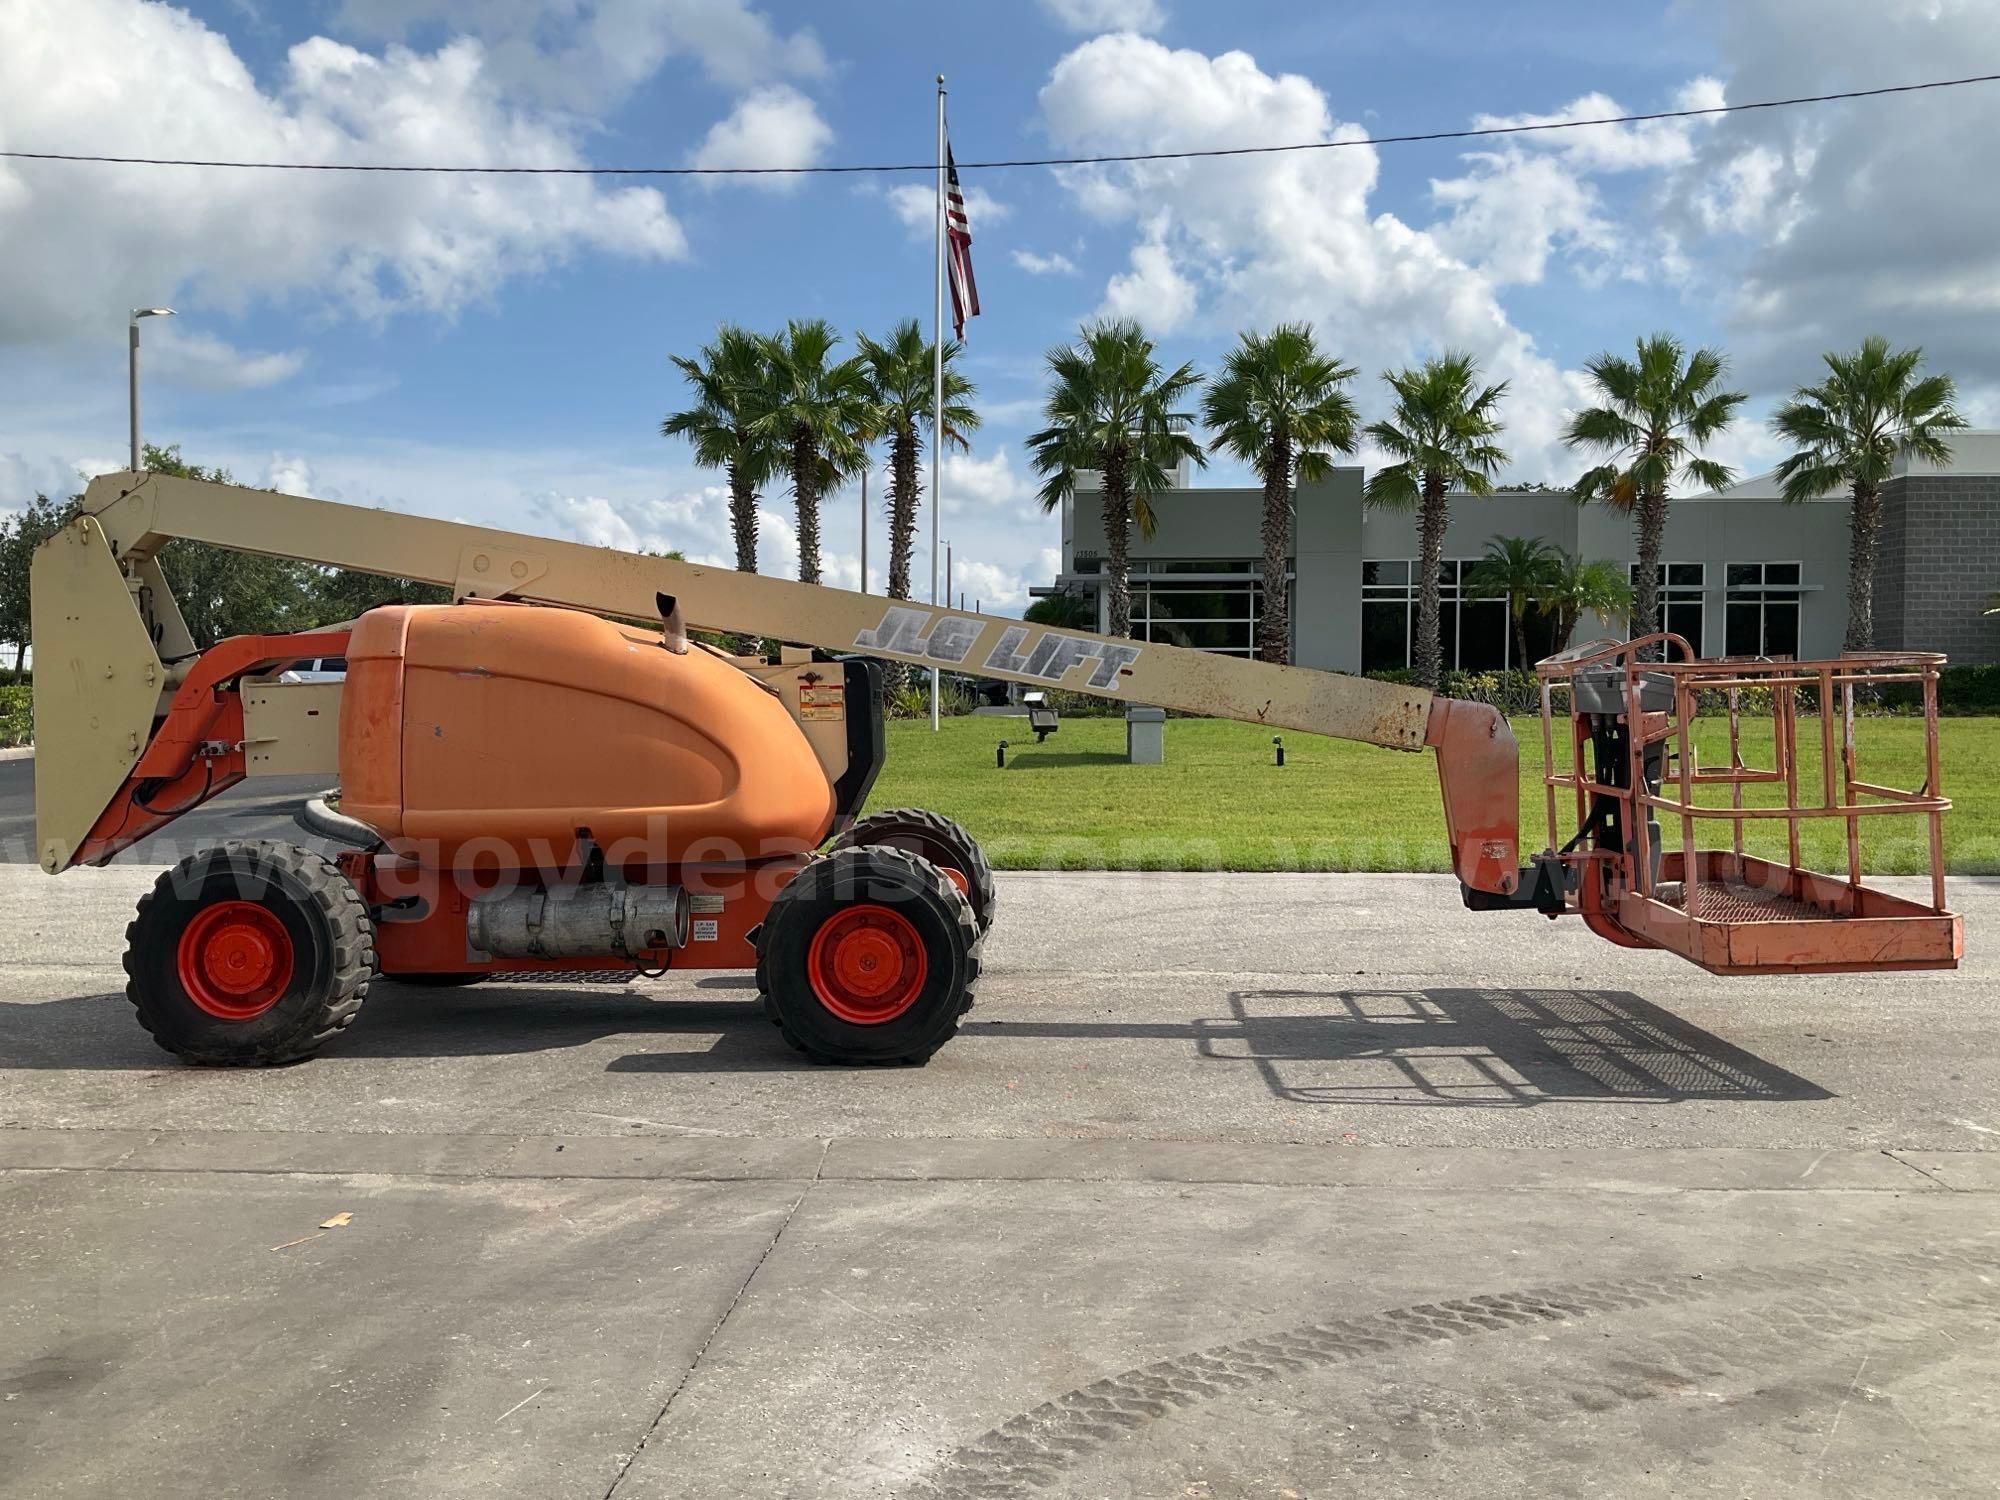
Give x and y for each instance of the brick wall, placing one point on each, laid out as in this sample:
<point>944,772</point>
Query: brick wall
<point>1939,566</point>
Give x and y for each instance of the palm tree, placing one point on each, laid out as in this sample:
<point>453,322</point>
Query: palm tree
<point>1575,587</point>
<point>1517,569</point>
<point>1441,436</point>
<point>1062,609</point>
<point>900,374</point>
<point>1659,411</point>
<point>814,414</point>
<point>1279,407</point>
<point>1850,429</point>
<point>719,425</point>
<point>1111,410</point>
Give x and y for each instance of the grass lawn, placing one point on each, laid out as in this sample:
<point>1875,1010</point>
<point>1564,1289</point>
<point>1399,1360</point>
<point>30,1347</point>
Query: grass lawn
<point>1220,804</point>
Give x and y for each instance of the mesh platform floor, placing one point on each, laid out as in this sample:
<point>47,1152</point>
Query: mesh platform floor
<point>1732,901</point>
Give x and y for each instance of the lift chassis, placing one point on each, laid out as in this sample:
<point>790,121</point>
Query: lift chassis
<point>539,784</point>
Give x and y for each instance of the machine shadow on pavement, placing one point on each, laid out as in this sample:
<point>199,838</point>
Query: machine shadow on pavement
<point>1472,1048</point>
<point>99,1032</point>
<point>1480,1048</point>
<point>1505,1048</point>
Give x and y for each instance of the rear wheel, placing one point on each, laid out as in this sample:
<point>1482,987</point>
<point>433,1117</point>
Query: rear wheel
<point>934,837</point>
<point>250,953</point>
<point>868,955</point>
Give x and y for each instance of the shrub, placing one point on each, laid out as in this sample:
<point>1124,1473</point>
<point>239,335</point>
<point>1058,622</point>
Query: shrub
<point>1967,690</point>
<point>1086,705</point>
<point>1510,692</point>
<point>17,715</point>
<point>913,699</point>
<point>1963,691</point>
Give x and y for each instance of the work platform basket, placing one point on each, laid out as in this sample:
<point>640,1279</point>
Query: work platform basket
<point>1656,787</point>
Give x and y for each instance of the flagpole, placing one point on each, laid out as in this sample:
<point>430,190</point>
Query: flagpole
<point>937,373</point>
<point>864,528</point>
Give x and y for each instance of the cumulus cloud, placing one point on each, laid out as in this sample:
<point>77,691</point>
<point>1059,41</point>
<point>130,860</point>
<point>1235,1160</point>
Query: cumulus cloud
<point>1053,264</point>
<point>1514,209</point>
<point>26,475</point>
<point>1106,15</point>
<point>589,54</point>
<point>776,126</point>
<point>141,74</point>
<point>991,483</point>
<point>1849,219</point>
<point>1618,148</point>
<point>1804,229</point>
<point>288,474</point>
<point>1250,241</point>
<point>1153,292</point>
<point>694,523</point>
<point>591,519</point>
<point>993,587</point>
<point>176,356</point>
<point>1536,194</point>
<point>916,205</point>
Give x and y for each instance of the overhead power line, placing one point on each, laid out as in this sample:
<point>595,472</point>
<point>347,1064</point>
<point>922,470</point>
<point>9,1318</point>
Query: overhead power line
<point>1470,133</point>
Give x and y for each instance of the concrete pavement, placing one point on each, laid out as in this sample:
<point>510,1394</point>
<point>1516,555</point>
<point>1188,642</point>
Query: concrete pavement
<point>1234,1185</point>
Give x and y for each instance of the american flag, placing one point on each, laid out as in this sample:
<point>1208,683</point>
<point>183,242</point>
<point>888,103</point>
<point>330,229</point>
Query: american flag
<point>958,251</point>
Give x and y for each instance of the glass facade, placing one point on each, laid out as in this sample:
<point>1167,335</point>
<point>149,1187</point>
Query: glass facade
<point>1682,610</point>
<point>1761,609</point>
<point>1204,598</point>
<point>1207,604</point>
<point>1473,634</point>
<point>1219,610</point>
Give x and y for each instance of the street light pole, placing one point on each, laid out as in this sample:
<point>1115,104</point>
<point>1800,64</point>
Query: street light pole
<point>137,314</point>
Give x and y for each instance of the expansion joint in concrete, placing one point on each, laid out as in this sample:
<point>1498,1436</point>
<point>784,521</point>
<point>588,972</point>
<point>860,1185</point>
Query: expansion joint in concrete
<point>694,1364</point>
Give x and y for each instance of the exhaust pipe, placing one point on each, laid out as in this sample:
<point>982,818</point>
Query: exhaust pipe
<point>592,921</point>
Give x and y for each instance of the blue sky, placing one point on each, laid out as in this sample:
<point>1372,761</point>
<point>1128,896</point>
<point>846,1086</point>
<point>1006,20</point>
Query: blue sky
<point>497,349</point>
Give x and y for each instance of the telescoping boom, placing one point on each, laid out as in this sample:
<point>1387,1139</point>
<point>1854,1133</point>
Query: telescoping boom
<point>558,788</point>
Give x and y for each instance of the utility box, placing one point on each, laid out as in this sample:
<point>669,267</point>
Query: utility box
<point>1145,735</point>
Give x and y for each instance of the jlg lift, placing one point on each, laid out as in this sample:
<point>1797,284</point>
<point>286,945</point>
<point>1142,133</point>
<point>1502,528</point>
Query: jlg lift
<point>547,786</point>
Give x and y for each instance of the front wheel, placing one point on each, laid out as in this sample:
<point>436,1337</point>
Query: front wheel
<point>869,955</point>
<point>249,954</point>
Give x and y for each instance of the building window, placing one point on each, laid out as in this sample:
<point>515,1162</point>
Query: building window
<point>1761,607</point>
<point>1206,604</point>
<point>1473,634</point>
<point>1681,588</point>
<point>1206,616</point>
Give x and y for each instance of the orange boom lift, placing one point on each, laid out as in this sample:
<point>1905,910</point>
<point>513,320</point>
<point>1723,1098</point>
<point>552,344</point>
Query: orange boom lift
<point>551,777</point>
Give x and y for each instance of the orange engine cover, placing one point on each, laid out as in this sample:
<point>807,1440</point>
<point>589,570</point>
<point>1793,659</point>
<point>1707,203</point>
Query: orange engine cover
<point>489,733</point>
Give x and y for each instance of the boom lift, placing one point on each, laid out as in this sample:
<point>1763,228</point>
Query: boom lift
<point>546,787</point>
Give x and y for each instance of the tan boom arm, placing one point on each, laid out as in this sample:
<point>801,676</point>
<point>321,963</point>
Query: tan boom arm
<point>105,621</point>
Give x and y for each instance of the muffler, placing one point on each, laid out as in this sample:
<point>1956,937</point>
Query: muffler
<point>591,921</point>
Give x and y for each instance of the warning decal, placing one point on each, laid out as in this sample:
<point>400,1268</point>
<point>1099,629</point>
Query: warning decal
<point>823,701</point>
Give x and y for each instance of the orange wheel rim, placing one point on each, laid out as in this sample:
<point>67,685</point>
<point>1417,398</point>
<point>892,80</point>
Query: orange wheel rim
<point>867,964</point>
<point>235,960</point>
